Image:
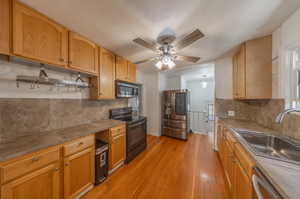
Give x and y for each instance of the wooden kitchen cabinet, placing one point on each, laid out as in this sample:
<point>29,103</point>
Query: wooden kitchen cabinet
<point>5,20</point>
<point>117,151</point>
<point>125,70</point>
<point>121,68</point>
<point>42,183</point>
<point>131,72</point>
<point>237,165</point>
<point>79,172</point>
<point>104,84</point>
<point>242,183</point>
<point>37,37</point>
<point>79,167</point>
<point>83,54</point>
<point>34,176</point>
<point>252,70</point>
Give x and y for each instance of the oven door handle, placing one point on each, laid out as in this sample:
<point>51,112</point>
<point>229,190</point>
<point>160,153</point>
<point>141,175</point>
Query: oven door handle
<point>136,124</point>
<point>256,181</point>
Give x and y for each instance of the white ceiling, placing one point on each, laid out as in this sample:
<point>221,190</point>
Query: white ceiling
<point>115,23</point>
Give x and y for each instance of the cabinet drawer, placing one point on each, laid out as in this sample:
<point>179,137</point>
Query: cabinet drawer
<point>230,138</point>
<point>245,160</point>
<point>29,163</point>
<point>78,145</point>
<point>117,130</point>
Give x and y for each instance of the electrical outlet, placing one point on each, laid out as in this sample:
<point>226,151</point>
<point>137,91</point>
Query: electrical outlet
<point>231,113</point>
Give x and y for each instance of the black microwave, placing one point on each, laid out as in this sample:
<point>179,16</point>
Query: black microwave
<point>126,89</point>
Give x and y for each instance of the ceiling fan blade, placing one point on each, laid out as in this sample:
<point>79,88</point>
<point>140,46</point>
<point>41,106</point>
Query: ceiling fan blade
<point>145,44</point>
<point>146,60</point>
<point>187,58</point>
<point>189,39</point>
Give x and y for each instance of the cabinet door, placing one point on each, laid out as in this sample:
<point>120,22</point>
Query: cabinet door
<point>121,69</point>
<point>235,76</point>
<point>37,37</point>
<point>242,184</point>
<point>83,54</point>
<point>117,150</point>
<point>79,172</point>
<point>5,9</point>
<point>131,72</point>
<point>43,183</point>
<point>107,75</point>
<point>241,73</point>
<point>227,165</point>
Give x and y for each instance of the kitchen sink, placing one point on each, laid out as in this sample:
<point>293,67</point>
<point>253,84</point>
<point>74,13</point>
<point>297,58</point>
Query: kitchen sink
<point>271,146</point>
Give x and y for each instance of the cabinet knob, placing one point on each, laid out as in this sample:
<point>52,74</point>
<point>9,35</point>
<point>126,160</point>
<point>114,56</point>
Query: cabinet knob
<point>80,143</point>
<point>67,164</point>
<point>35,159</point>
<point>61,60</point>
<point>56,169</point>
<point>70,62</point>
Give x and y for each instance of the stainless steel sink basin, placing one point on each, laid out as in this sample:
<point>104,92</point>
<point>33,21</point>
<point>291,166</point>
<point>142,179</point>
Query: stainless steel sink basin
<point>270,146</point>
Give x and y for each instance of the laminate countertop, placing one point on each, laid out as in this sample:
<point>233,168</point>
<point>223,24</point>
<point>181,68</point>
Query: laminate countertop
<point>18,146</point>
<point>285,177</point>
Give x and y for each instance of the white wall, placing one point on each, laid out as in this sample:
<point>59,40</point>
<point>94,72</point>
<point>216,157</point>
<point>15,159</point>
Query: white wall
<point>223,78</point>
<point>200,96</point>
<point>287,36</point>
<point>8,89</point>
<point>151,100</point>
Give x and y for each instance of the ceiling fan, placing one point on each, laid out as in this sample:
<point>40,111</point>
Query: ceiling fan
<point>166,48</point>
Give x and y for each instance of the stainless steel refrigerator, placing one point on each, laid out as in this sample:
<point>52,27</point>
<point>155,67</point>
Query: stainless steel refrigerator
<point>175,114</point>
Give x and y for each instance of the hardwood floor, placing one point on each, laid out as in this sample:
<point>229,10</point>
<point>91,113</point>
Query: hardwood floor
<point>169,168</point>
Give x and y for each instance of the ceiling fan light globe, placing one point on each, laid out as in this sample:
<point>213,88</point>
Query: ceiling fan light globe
<point>159,65</point>
<point>171,64</point>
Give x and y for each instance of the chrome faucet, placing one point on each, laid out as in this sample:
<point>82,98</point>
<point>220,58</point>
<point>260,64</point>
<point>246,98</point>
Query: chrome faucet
<point>281,115</point>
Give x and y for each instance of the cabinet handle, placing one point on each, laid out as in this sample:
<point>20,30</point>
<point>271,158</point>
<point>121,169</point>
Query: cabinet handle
<point>35,159</point>
<point>79,144</point>
<point>61,60</point>
<point>56,169</point>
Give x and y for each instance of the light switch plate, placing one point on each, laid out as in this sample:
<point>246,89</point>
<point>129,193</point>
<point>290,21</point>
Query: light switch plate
<point>231,113</point>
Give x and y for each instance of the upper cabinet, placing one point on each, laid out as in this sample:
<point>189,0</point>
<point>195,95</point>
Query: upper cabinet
<point>121,69</point>
<point>37,37</point>
<point>104,84</point>
<point>131,72</point>
<point>5,10</point>
<point>83,54</point>
<point>125,70</point>
<point>252,70</point>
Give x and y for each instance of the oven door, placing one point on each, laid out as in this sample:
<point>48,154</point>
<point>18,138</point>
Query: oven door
<point>136,135</point>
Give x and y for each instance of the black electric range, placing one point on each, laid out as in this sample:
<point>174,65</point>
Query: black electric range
<point>136,131</point>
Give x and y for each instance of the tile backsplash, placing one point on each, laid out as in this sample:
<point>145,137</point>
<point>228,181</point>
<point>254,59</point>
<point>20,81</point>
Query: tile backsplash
<point>262,112</point>
<point>20,117</point>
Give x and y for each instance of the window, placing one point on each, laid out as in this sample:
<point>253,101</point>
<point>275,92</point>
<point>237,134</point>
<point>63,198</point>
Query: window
<point>295,78</point>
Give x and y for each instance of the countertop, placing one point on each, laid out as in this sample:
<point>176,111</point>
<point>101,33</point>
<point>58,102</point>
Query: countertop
<point>285,177</point>
<point>18,146</point>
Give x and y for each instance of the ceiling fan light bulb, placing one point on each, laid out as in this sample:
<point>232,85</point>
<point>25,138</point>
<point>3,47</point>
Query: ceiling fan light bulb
<point>171,64</point>
<point>159,64</point>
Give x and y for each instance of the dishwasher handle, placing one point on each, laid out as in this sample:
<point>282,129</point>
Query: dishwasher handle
<point>261,181</point>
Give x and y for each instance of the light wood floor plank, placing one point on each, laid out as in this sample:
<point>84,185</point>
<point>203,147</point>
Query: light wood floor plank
<point>168,169</point>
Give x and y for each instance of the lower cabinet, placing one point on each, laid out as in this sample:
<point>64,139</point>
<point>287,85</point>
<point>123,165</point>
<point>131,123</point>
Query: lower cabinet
<point>117,150</point>
<point>42,183</point>
<point>237,165</point>
<point>79,168</point>
<point>242,183</point>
